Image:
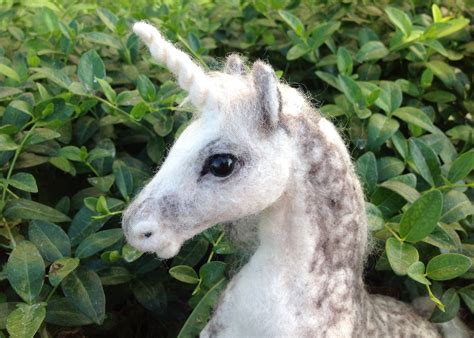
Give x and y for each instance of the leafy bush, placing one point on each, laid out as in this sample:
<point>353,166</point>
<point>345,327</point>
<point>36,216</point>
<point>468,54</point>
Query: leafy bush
<point>86,117</point>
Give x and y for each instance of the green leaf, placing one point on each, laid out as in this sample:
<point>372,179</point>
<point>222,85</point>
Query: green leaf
<point>8,91</point>
<point>443,71</point>
<point>191,253</point>
<point>123,178</point>
<point>130,254</point>
<point>400,20</point>
<point>108,18</point>
<point>417,117</point>
<point>322,32</point>
<point>26,209</point>
<point>84,291</point>
<point>50,239</point>
<point>150,293</point>
<point>467,295</point>
<point>400,255</point>
<point>5,310</point>
<point>443,237</point>
<point>128,98</point>
<point>408,193</point>
<point>102,39</point>
<point>155,149</point>
<point>388,167</point>
<point>212,272</point>
<point>162,123</point>
<point>103,183</point>
<point>390,97</point>
<point>297,51</point>
<point>62,268</point>
<point>73,153</point>
<point>447,266</point>
<point>56,76</point>
<point>464,133</point>
<point>329,79</point>
<point>9,72</point>
<point>380,129</point>
<point>436,12</point>
<point>461,167</point>
<point>97,242</point>
<point>25,271</point>
<point>294,22</point>
<point>98,153</point>
<point>101,206</point>
<point>91,67</point>
<point>372,50</point>
<point>425,161</point>
<point>344,61</point>
<point>6,143</point>
<point>451,303</point>
<point>24,181</point>
<point>25,321</point>
<point>332,110</point>
<point>40,135</point>
<point>60,312</point>
<point>416,271</point>
<point>456,207</point>
<point>106,89</point>
<point>439,30</point>
<point>201,313</point>
<point>351,90</point>
<point>115,275</point>
<point>422,216</point>
<point>375,219</point>
<point>184,273</point>
<point>146,88</point>
<point>84,225</point>
<point>139,110</point>
<point>366,167</point>
<point>426,78</point>
<point>439,96</point>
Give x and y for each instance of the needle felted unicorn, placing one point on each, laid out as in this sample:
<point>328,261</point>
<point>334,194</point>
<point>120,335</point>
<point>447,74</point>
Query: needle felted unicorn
<point>257,147</point>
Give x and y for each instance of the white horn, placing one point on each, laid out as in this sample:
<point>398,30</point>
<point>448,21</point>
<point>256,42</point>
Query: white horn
<point>190,76</point>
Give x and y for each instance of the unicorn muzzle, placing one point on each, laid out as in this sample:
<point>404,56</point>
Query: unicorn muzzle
<point>150,236</point>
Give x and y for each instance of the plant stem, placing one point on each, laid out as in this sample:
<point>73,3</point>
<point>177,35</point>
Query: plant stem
<point>9,232</point>
<point>51,293</point>
<point>452,186</point>
<point>219,239</point>
<point>107,215</point>
<point>15,158</point>
<point>124,114</point>
<point>393,233</point>
<point>88,165</point>
<point>13,194</point>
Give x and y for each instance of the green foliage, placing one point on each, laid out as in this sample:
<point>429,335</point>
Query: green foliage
<point>86,117</point>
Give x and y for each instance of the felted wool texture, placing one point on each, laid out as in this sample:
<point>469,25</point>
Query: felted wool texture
<point>295,178</point>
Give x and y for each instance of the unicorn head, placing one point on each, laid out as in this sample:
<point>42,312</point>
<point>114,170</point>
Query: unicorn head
<point>232,161</point>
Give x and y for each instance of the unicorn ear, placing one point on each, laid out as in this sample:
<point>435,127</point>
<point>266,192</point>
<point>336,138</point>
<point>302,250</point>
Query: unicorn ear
<point>234,65</point>
<point>268,95</point>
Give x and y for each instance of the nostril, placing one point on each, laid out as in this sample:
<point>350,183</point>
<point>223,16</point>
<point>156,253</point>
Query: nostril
<point>147,234</point>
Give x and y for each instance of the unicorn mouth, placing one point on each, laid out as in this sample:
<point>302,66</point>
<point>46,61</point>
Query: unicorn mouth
<point>168,250</point>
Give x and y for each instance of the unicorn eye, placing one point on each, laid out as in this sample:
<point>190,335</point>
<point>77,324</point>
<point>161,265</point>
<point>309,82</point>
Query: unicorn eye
<point>220,165</point>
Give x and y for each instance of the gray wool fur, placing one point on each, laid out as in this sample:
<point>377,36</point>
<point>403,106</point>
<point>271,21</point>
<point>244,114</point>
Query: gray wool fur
<point>294,176</point>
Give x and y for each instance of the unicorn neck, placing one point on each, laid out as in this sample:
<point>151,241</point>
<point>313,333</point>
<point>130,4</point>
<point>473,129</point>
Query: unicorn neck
<point>318,227</point>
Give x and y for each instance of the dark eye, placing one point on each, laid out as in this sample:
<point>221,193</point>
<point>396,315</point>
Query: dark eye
<point>220,165</point>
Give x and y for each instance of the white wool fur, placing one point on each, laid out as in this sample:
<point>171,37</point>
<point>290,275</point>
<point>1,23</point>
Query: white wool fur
<point>295,179</point>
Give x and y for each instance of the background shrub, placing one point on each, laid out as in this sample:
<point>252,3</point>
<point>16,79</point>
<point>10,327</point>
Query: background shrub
<point>86,117</point>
